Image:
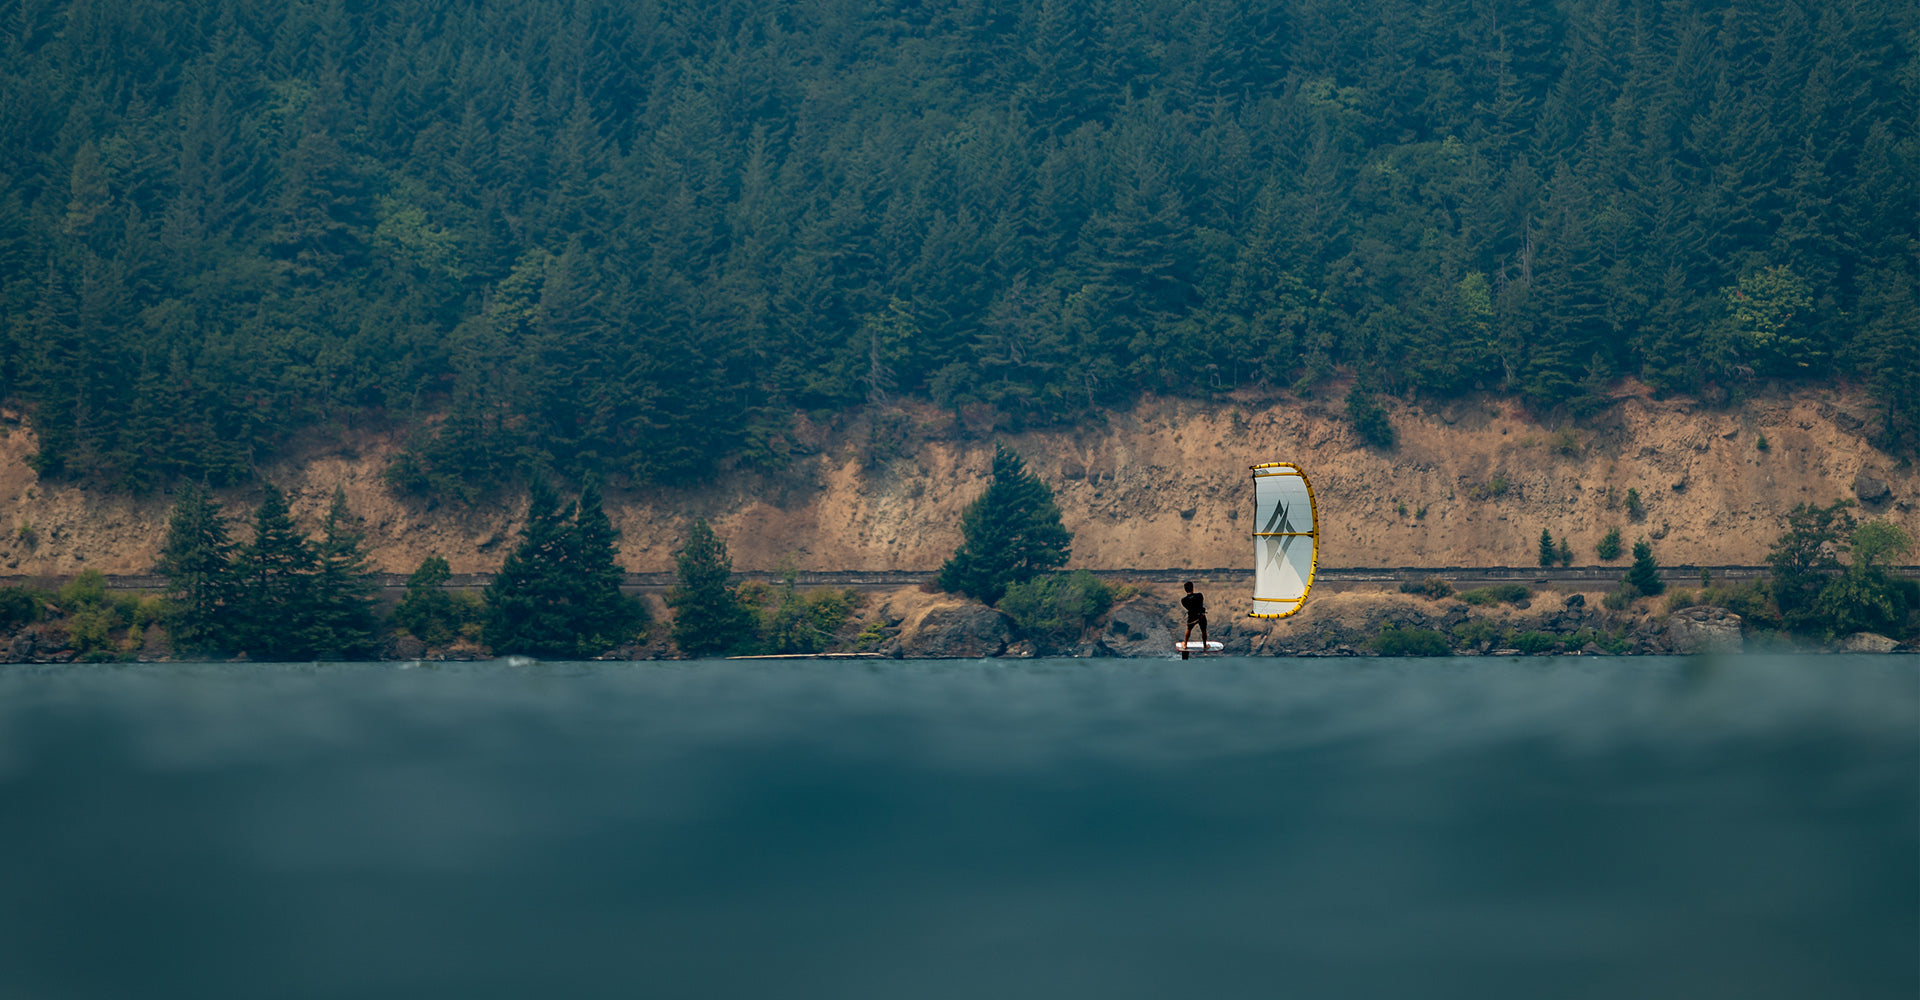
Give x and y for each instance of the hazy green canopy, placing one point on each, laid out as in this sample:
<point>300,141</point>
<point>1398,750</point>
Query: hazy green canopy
<point>638,238</point>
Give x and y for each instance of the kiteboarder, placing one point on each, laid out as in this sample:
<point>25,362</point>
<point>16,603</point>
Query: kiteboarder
<point>1196,605</point>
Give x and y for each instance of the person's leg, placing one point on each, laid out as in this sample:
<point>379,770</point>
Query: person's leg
<point>1203,631</point>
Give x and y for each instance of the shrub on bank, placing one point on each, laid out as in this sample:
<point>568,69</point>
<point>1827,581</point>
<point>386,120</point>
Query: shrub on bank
<point>1431,587</point>
<point>19,606</point>
<point>1396,641</point>
<point>1498,593</point>
<point>1057,607</point>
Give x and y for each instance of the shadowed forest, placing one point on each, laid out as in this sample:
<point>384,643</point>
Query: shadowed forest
<point>639,239</point>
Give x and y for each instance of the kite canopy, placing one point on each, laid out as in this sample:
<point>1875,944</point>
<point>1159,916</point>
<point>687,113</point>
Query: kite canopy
<point>1286,539</point>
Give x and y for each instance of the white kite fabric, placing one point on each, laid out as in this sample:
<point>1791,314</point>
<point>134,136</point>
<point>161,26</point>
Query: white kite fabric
<point>1286,539</point>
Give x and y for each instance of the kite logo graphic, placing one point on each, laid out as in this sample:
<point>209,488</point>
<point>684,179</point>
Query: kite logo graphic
<point>1280,521</point>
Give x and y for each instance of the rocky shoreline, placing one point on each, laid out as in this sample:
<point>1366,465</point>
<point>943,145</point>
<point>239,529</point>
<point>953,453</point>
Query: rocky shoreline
<point>912,623</point>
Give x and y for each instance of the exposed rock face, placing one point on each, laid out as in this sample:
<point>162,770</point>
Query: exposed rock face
<point>956,630</point>
<point>1140,627</point>
<point>1868,642</point>
<point>1704,630</point>
<point>1149,487</point>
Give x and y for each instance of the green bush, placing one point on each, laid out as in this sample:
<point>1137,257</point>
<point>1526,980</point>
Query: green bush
<point>794,621</point>
<point>1056,607</point>
<point>432,614</point>
<point>18,606</point>
<point>1752,601</point>
<point>1609,548</point>
<point>90,633</point>
<point>1395,641</point>
<point>1370,419</point>
<point>1534,643</point>
<point>1432,586</point>
<point>1509,593</point>
<point>87,590</point>
<point>1473,634</point>
<point>1619,597</point>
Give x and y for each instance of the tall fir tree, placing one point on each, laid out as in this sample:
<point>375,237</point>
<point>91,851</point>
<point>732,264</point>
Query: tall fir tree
<point>343,587</point>
<point>197,560</point>
<point>276,573</point>
<point>606,616</point>
<point>528,602</point>
<point>1010,535</point>
<point>708,615</point>
<point>558,594</point>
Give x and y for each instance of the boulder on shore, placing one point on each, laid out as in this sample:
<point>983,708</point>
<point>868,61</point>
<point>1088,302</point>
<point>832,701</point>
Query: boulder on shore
<point>1868,642</point>
<point>1704,630</point>
<point>947,631</point>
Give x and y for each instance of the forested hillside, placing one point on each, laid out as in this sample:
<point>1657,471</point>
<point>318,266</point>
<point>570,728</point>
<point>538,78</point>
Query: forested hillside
<point>641,237</point>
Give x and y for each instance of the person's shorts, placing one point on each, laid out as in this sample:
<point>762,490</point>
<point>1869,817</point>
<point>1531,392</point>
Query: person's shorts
<point>1196,619</point>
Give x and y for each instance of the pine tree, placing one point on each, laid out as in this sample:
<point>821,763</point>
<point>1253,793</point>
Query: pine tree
<point>1644,574</point>
<point>427,611</point>
<point>197,560</point>
<point>530,603</point>
<point>276,573</point>
<point>606,617</point>
<point>1549,554</point>
<point>343,586</point>
<point>558,593</point>
<point>708,616</point>
<point>1011,534</point>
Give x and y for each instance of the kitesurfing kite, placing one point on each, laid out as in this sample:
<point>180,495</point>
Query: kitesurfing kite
<point>1286,539</point>
<point>1286,543</point>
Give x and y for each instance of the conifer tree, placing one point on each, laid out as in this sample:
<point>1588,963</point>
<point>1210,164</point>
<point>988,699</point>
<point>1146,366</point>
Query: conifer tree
<point>276,572</point>
<point>606,617</point>
<point>1549,553</point>
<point>197,560</point>
<point>708,616</point>
<point>1011,534</point>
<point>1644,574</point>
<point>558,593</point>
<point>529,602</point>
<point>343,586</point>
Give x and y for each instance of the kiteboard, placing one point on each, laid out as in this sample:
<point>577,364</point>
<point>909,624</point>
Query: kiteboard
<point>1199,647</point>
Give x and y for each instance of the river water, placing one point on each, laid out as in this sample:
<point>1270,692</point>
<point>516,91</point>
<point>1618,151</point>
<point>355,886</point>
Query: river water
<point>1485,828</point>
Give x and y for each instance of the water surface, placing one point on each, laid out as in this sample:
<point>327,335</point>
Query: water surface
<point>1582,827</point>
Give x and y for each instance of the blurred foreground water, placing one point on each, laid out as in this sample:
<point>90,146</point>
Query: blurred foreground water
<point>1584,827</point>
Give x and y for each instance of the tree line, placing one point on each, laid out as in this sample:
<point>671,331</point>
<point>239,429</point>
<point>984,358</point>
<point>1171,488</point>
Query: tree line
<point>282,596</point>
<point>635,240</point>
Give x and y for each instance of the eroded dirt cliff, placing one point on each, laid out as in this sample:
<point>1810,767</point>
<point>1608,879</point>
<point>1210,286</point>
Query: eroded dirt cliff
<point>1163,486</point>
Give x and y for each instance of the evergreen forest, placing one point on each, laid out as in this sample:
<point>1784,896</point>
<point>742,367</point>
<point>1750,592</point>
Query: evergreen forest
<point>636,239</point>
